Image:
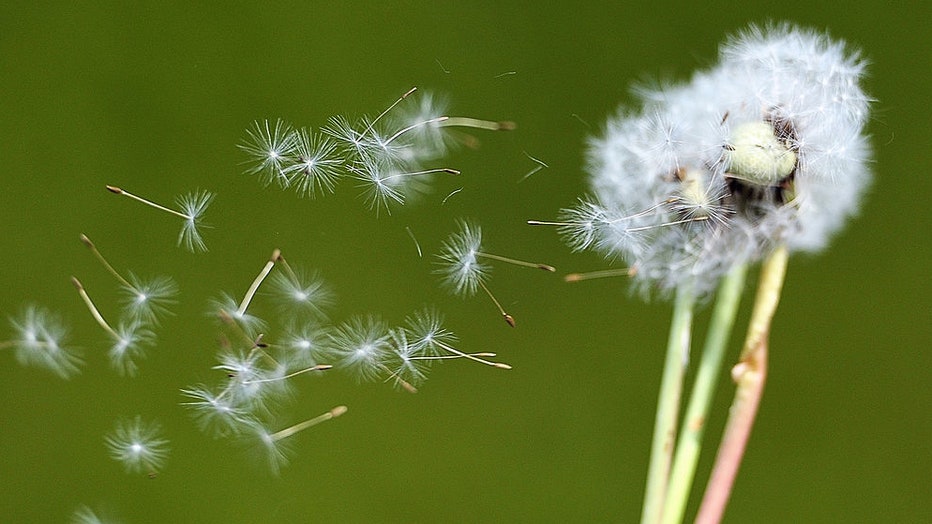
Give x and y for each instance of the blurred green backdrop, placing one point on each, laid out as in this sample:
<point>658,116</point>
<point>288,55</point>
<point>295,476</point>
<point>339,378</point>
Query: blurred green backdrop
<point>155,96</point>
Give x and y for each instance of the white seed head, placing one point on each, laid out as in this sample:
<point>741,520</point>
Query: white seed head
<point>765,148</point>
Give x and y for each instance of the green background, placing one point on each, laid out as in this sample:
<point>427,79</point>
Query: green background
<point>154,97</point>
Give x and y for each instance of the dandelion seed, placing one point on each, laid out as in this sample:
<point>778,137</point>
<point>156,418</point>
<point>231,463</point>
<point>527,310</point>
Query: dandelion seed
<point>145,300</point>
<point>249,384</point>
<point>39,340</point>
<point>192,207</point>
<point>316,167</point>
<point>129,346</point>
<point>226,308</point>
<point>431,341</point>
<point>462,271</point>
<point>369,143</point>
<point>405,369</point>
<point>426,331</point>
<point>129,340</point>
<point>361,345</point>
<point>138,445</point>
<point>230,310</point>
<point>271,148</point>
<point>385,183</point>
<point>85,515</point>
<point>305,344</point>
<point>217,414</point>
<point>273,445</point>
<point>148,300</point>
<point>300,292</point>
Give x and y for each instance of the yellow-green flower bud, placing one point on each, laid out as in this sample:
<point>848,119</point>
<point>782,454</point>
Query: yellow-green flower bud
<point>756,156</point>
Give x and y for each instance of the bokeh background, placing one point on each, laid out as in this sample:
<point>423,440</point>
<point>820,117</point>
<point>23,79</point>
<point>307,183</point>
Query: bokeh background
<point>155,96</point>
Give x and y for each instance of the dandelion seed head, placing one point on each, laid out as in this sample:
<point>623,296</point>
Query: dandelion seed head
<point>765,148</point>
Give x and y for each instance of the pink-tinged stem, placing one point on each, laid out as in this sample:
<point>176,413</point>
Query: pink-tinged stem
<point>750,375</point>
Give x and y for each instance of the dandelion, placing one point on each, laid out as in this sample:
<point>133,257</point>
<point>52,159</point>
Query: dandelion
<point>462,271</point>
<point>193,205</point>
<point>129,339</point>
<point>145,300</point>
<point>39,340</point>
<point>138,445</point>
<point>761,155</point>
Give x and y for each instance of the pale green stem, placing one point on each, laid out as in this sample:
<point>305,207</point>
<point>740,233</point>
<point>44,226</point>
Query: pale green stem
<point>121,191</point>
<point>750,374</point>
<point>251,292</point>
<point>668,403</point>
<point>301,426</point>
<point>93,309</point>
<point>707,377</point>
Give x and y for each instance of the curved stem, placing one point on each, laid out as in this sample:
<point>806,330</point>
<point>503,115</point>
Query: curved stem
<point>668,403</point>
<point>750,374</point>
<point>707,377</point>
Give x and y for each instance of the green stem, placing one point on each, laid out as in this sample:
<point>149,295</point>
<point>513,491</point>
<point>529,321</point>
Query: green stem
<point>668,403</point>
<point>750,374</point>
<point>707,377</point>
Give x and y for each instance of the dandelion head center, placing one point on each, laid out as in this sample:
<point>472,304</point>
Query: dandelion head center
<point>758,156</point>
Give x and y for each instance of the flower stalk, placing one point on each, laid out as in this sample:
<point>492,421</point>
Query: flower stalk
<point>750,375</point>
<point>668,403</point>
<point>707,377</point>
